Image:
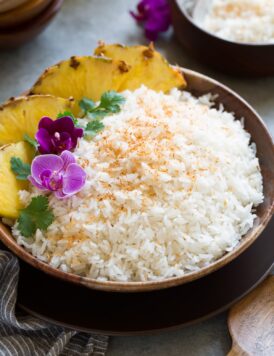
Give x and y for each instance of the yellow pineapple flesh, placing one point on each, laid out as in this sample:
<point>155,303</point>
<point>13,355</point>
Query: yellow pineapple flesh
<point>148,67</point>
<point>21,115</point>
<point>10,204</point>
<point>80,77</point>
<point>125,68</point>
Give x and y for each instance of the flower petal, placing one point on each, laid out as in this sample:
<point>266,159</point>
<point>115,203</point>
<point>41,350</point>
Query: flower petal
<point>60,195</point>
<point>45,123</point>
<point>64,124</point>
<point>78,132</point>
<point>43,138</point>
<point>67,158</point>
<point>36,184</point>
<point>156,17</point>
<point>138,17</point>
<point>74,179</point>
<point>49,162</point>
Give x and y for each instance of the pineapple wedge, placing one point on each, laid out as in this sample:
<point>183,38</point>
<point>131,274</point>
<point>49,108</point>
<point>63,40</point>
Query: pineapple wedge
<point>9,185</point>
<point>128,68</point>
<point>21,115</point>
<point>82,77</point>
<point>148,67</point>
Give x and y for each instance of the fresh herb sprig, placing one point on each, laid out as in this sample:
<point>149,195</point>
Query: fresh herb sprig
<point>31,141</point>
<point>93,128</point>
<point>37,215</point>
<point>19,168</point>
<point>110,103</point>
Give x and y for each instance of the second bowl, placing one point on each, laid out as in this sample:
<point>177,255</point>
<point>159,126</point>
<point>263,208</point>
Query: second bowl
<point>244,59</point>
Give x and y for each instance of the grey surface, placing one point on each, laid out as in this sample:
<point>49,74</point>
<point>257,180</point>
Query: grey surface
<point>76,30</point>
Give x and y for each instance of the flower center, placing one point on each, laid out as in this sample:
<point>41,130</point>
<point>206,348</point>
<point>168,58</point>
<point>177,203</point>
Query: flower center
<point>57,135</point>
<point>52,180</point>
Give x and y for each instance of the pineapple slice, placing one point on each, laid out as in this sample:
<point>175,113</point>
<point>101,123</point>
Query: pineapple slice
<point>82,77</point>
<point>148,67</point>
<point>21,115</point>
<point>9,185</point>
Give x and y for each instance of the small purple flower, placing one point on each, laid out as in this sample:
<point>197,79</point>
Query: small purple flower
<point>155,14</point>
<point>57,136</point>
<point>58,174</point>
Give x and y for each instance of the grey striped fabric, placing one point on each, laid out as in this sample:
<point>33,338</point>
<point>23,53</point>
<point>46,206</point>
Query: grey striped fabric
<point>23,335</point>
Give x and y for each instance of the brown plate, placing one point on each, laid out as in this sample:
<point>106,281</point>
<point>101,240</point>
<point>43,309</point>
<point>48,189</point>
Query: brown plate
<point>230,57</point>
<point>198,84</point>
<point>89,310</point>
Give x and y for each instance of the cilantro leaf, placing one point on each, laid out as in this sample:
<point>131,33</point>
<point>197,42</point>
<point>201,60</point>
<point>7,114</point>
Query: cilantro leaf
<point>87,105</point>
<point>31,141</point>
<point>93,127</point>
<point>98,115</point>
<point>66,113</point>
<point>26,225</point>
<point>37,215</point>
<point>19,168</point>
<point>111,101</point>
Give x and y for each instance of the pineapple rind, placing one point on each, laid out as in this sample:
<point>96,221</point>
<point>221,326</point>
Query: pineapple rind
<point>86,76</point>
<point>148,67</point>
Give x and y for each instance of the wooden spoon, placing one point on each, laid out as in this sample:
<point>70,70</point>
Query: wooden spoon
<point>251,322</point>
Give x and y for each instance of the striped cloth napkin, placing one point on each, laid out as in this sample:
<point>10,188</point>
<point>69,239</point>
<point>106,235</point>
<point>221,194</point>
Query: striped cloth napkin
<point>24,335</point>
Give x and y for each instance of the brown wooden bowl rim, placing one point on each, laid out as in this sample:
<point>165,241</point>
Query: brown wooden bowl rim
<point>112,286</point>
<point>184,13</point>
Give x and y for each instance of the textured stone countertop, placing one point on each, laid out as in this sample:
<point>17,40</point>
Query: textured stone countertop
<point>76,30</point>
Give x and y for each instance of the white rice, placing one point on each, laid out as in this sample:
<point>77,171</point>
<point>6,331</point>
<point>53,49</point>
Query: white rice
<point>172,185</point>
<point>250,21</point>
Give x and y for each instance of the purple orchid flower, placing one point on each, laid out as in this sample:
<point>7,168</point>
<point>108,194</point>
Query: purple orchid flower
<point>58,174</point>
<point>155,14</point>
<point>57,136</point>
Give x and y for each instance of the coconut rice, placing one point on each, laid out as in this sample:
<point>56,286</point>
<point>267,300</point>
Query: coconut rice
<point>171,187</point>
<point>250,21</point>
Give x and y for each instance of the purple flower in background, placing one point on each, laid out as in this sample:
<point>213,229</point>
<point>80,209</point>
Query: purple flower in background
<point>155,14</point>
<point>58,174</point>
<point>57,136</point>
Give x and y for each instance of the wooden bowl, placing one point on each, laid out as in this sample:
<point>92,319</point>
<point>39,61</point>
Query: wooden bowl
<point>6,5</point>
<point>19,35</point>
<point>243,59</point>
<point>23,13</point>
<point>198,85</point>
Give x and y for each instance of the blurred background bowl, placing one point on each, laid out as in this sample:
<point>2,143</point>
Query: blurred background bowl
<point>37,15</point>
<point>230,57</point>
<point>23,13</point>
<point>6,5</point>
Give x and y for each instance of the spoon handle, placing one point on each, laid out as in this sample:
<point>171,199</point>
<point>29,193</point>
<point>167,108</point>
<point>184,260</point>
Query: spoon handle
<point>251,322</point>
